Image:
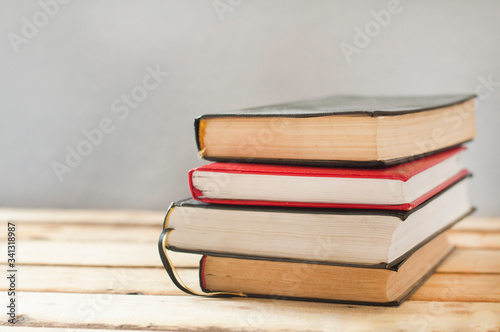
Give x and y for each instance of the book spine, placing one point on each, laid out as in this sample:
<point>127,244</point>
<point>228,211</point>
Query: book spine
<point>199,143</point>
<point>195,193</point>
<point>203,283</point>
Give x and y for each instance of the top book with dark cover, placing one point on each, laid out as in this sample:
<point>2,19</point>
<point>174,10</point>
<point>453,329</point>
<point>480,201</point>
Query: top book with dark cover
<point>353,131</point>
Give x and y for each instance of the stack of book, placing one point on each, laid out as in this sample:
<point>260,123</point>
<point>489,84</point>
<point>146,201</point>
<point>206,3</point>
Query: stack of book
<point>343,199</point>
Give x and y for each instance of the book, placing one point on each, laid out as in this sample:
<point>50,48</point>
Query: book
<point>401,187</point>
<point>345,131</point>
<point>327,236</point>
<point>301,281</point>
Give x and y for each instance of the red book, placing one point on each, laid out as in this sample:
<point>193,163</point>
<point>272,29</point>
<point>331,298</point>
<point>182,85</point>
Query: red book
<point>401,187</point>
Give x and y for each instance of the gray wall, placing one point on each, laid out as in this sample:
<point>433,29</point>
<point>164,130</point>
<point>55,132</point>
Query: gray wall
<point>69,72</point>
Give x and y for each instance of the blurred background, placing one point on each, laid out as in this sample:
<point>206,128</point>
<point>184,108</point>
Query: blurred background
<point>141,71</point>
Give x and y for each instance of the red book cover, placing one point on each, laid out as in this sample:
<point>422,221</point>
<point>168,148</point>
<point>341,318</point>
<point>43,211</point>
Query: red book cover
<point>402,172</point>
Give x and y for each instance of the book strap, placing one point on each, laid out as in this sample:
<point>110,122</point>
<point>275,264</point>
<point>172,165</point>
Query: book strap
<point>172,272</point>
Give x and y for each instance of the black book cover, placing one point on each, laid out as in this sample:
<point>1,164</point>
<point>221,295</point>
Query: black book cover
<point>394,265</point>
<point>373,106</point>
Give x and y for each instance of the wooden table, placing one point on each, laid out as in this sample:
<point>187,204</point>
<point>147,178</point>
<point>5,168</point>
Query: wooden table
<point>101,270</point>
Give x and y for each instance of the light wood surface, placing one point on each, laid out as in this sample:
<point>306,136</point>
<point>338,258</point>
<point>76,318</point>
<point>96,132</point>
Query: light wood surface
<point>100,270</point>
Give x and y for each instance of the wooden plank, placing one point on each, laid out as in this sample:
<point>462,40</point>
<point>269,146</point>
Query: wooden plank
<point>131,217</point>
<point>440,287</point>
<point>146,255</point>
<point>72,279</point>
<point>485,240</point>
<point>460,287</point>
<point>153,218</point>
<point>472,261</point>
<point>86,233</point>
<point>129,232</point>
<point>55,329</point>
<point>148,233</point>
<point>97,254</point>
<point>191,313</point>
<point>478,224</point>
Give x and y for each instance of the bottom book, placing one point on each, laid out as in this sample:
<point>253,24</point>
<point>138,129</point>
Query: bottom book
<point>328,283</point>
